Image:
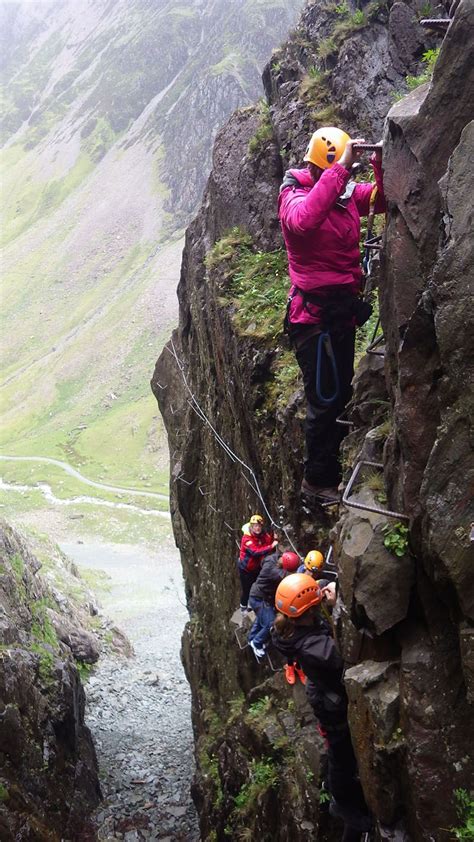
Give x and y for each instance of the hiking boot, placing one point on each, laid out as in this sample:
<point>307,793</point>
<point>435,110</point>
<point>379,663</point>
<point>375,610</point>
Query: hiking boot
<point>290,673</point>
<point>259,653</point>
<point>320,493</point>
<point>352,817</point>
<point>243,608</point>
<point>300,674</point>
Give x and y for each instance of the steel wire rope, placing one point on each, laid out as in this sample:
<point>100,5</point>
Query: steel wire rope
<point>194,403</point>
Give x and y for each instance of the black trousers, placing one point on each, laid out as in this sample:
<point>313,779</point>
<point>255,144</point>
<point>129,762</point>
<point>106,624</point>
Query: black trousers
<point>342,780</point>
<point>247,578</point>
<point>323,435</point>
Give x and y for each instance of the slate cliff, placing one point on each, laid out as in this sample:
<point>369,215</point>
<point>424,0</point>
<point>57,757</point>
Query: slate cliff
<point>231,398</point>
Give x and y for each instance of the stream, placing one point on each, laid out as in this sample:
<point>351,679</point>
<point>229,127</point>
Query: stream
<point>139,709</point>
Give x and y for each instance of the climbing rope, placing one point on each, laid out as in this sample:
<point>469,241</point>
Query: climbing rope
<point>325,345</point>
<point>250,477</point>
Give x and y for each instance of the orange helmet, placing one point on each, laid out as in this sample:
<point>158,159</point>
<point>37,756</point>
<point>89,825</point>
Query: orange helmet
<point>314,560</point>
<point>256,519</point>
<point>326,147</point>
<point>296,593</point>
<point>290,561</point>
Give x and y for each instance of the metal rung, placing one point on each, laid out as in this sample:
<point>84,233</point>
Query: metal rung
<point>372,347</point>
<point>441,24</point>
<point>271,664</point>
<point>344,421</point>
<point>376,509</point>
<point>237,631</point>
<point>328,561</point>
<point>375,342</point>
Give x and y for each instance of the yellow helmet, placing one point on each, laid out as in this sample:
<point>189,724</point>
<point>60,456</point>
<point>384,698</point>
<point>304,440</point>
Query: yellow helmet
<point>256,519</point>
<point>314,560</point>
<point>326,147</point>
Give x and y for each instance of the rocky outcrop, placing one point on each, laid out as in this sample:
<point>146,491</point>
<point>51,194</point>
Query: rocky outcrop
<point>232,406</point>
<point>48,769</point>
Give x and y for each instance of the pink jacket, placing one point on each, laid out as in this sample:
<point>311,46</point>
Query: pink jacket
<point>321,228</point>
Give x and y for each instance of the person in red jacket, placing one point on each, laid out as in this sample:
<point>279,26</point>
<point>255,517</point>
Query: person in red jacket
<point>254,547</point>
<point>320,210</point>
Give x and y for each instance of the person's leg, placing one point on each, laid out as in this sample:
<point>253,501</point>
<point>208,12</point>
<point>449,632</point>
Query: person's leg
<point>246,581</point>
<point>321,469</point>
<point>342,777</point>
<point>256,606</point>
<point>266,618</point>
<point>343,347</point>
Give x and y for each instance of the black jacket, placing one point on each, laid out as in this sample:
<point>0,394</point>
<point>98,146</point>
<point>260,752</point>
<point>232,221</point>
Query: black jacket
<point>314,648</point>
<point>268,580</point>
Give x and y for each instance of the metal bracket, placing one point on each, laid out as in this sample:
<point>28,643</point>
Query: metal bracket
<point>376,509</point>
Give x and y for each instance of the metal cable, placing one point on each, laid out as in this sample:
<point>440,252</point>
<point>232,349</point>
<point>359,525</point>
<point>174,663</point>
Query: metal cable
<point>252,482</point>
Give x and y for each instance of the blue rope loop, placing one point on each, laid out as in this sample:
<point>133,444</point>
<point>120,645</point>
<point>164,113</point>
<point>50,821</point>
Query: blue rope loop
<point>325,346</point>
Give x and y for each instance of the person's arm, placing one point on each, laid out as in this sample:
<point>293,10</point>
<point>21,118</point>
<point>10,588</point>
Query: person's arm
<point>257,551</point>
<point>363,191</point>
<point>306,213</point>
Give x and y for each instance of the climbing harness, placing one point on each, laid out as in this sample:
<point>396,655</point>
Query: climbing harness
<point>325,346</point>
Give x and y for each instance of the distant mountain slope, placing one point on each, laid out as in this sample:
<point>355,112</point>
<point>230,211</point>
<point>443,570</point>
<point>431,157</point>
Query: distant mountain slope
<point>109,112</point>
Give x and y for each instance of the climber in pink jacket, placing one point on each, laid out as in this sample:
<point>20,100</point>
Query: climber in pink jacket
<point>320,210</point>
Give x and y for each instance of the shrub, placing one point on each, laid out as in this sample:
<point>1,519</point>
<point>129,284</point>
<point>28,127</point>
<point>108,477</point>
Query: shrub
<point>465,810</point>
<point>396,538</point>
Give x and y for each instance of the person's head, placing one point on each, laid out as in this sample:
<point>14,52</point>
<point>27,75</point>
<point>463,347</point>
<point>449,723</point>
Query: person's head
<point>290,562</point>
<point>325,148</point>
<point>296,600</point>
<point>256,525</point>
<point>314,561</point>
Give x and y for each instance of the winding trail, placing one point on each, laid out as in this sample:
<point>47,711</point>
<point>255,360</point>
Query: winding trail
<point>139,709</point>
<point>135,492</point>
<point>51,498</point>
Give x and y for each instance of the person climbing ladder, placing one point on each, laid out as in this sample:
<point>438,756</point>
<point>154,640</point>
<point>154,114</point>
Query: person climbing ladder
<point>320,210</point>
<point>254,547</point>
<point>262,598</point>
<point>300,632</point>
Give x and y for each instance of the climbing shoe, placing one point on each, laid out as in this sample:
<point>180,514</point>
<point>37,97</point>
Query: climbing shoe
<point>300,674</point>
<point>290,674</point>
<point>259,653</point>
<point>319,493</point>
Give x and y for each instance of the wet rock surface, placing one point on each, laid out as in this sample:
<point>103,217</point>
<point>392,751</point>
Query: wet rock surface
<point>404,617</point>
<point>48,769</point>
<point>138,708</point>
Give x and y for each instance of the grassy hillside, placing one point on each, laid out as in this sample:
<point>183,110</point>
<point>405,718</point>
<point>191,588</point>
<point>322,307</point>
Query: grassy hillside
<point>108,115</point>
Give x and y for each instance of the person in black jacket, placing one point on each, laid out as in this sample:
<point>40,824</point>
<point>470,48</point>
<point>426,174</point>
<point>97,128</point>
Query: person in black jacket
<point>300,632</point>
<point>262,597</point>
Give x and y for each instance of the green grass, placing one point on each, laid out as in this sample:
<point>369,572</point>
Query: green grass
<point>66,487</point>
<point>263,776</point>
<point>264,133</point>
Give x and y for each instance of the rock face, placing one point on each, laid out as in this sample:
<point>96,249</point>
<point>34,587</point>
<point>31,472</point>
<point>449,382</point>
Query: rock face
<point>232,403</point>
<point>48,769</point>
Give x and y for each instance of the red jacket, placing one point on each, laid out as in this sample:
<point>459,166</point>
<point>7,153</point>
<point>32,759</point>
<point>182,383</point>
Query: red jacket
<point>253,549</point>
<point>321,228</point>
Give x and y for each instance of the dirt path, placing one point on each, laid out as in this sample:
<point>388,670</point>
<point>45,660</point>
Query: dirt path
<point>139,710</point>
<point>135,492</point>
